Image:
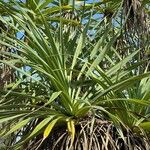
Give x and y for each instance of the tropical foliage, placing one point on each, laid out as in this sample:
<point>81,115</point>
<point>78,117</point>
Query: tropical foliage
<point>74,74</point>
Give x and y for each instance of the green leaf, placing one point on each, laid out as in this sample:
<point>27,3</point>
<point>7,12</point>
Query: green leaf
<point>40,126</point>
<point>43,4</point>
<point>7,118</point>
<point>120,64</point>
<point>123,84</point>
<point>19,125</point>
<point>53,97</point>
<point>82,111</point>
<point>145,125</point>
<point>136,101</point>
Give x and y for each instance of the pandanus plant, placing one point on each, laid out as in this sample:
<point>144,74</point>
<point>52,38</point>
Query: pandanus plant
<point>72,90</point>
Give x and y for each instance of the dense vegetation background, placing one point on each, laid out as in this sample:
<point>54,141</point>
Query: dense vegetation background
<point>74,74</point>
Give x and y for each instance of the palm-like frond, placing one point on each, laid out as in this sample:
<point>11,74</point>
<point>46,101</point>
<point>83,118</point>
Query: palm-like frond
<point>69,77</point>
